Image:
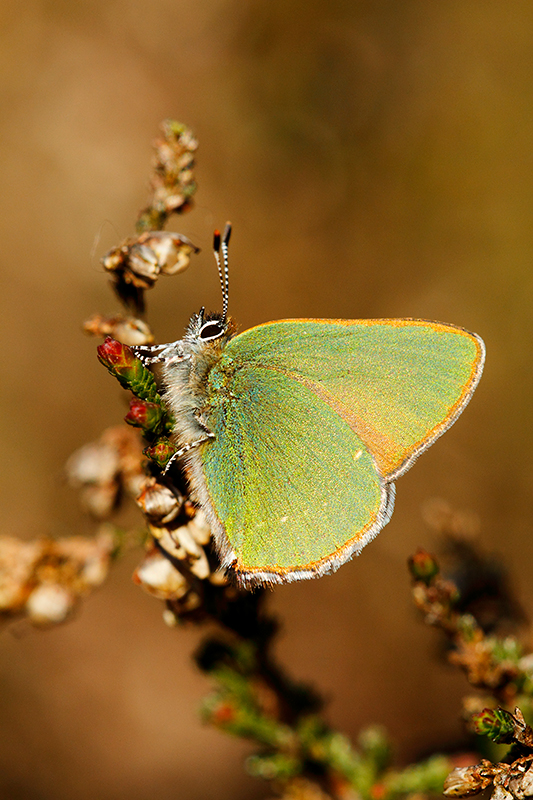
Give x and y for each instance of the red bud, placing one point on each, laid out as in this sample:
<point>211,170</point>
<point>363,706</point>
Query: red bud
<point>115,355</point>
<point>144,415</point>
<point>161,452</point>
<point>423,566</point>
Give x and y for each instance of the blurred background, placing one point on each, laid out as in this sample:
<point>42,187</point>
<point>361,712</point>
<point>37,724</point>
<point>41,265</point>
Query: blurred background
<point>375,159</point>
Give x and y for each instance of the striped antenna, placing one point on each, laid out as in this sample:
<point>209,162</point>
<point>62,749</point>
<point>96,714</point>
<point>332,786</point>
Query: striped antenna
<point>222,264</point>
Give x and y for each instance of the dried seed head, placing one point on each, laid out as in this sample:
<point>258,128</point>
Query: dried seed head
<point>102,468</point>
<point>128,330</point>
<point>159,503</point>
<point>50,604</point>
<point>18,560</point>
<point>46,578</point>
<point>199,528</point>
<point>159,577</point>
<point>140,260</point>
<point>94,463</point>
<point>466,781</point>
<point>172,183</point>
<point>501,793</point>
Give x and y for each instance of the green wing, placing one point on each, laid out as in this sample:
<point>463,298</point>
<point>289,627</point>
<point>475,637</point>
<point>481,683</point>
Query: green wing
<point>293,491</point>
<point>399,384</point>
<point>312,420</point>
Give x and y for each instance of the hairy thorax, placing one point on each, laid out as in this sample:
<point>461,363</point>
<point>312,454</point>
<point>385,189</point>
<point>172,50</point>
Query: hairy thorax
<point>197,387</point>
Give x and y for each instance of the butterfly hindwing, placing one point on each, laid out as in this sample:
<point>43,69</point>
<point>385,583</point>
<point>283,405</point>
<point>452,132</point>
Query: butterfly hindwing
<point>290,483</point>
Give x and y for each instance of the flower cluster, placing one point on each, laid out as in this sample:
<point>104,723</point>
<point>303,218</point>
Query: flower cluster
<point>509,780</point>
<point>44,579</point>
<point>172,183</point>
<point>141,259</point>
<point>128,330</point>
<point>103,470</point>
<point>179,558</point>
<point>490,662</point>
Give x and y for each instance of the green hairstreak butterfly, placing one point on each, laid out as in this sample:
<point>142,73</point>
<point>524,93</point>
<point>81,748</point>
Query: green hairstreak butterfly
<point>292,432</point>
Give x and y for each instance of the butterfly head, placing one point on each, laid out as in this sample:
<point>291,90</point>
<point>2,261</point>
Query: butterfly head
<point>206,328</point>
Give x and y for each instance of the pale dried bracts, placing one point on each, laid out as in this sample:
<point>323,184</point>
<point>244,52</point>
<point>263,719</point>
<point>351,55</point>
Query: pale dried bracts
<point>178,560</point>
<point>141,259</point>
<point>102,469</point>
<point>172,183</point>
<point>43,580</point>
<point>125,329</point>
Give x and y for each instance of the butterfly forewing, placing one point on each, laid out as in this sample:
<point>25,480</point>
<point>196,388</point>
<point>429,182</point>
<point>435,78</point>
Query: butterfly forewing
<point>398,384</point>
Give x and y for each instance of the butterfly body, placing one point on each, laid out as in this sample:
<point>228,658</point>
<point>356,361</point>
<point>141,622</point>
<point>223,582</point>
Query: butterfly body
<point>292,432</point>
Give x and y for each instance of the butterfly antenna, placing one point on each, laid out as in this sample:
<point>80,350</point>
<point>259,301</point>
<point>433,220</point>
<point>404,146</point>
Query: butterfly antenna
<point>221,243</point>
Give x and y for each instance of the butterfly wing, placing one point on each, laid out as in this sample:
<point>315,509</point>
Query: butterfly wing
<point>290,489</point>
<point>312,420</point>
<point>398,383</point>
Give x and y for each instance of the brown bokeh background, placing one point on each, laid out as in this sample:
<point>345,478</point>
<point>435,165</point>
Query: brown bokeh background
<point>375,159</point>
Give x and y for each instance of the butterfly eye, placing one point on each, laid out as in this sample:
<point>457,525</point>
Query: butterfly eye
<point>211,330</point>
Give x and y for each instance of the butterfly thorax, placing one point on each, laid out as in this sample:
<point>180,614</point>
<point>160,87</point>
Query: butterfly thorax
<point>196,377</point>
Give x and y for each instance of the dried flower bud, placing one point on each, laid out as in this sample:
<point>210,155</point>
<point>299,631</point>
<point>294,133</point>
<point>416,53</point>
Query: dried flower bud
<point>423,566</point>
<point>94,468</point>
<point>140,260</point>
<point>128,330</point>
<point>522,785</point>
<point>167,543</point>
<point>466,781</point>
<point>191,602</point>
<point>102,468</point>
<point>94,463</point>
<point>88,559</point>
<point>168,252</point>
<point>199,528</point>
<point>160,578</point>
<point>159,502</point>
<point>50,604</point>
<point>128,445</point>
<point>170,618</point>
<point>18,560</point>
<point>501,793</point>
<point>219,578</point>
<point>46,578</point>
<point>181,545</point>
<point>197,561</point>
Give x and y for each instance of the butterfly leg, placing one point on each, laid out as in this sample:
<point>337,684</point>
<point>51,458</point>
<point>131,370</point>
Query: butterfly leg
<point>185,449</point>
<point>171,353</point>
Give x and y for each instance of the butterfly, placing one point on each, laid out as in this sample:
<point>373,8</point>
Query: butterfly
<point>293,432</point>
